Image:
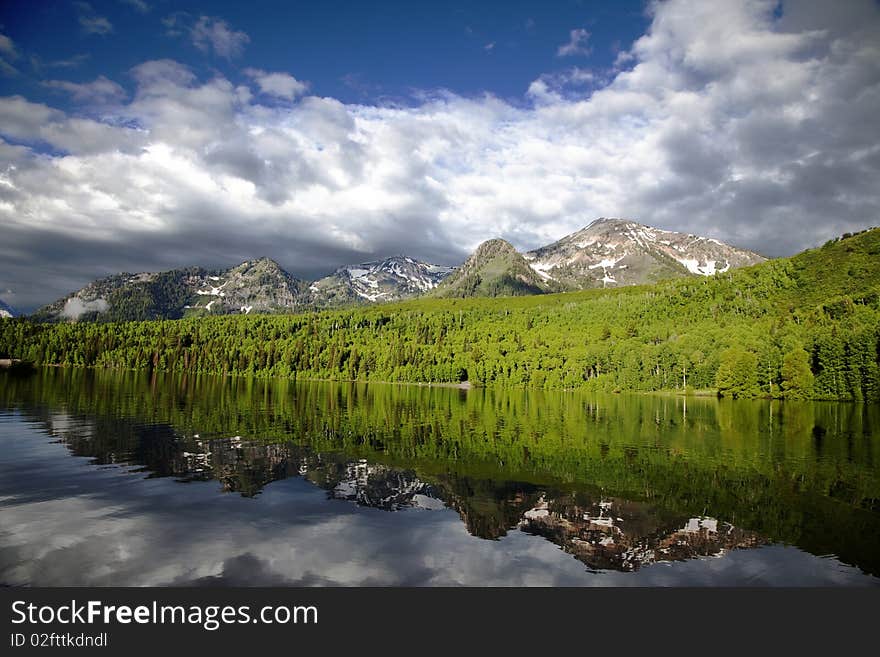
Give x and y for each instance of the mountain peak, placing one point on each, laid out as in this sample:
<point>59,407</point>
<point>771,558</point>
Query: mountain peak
<point>391,279</point>
<point>608,252</point>
<point>613,252</point>
<point>607,221</point>
<point>263,262</point>
<point>493,247</point>
<point>494,269</point>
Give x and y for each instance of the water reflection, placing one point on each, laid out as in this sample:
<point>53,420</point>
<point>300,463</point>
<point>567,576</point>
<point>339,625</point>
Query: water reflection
<point>617,483</point>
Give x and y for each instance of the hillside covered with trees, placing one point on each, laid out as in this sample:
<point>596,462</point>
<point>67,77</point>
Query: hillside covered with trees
<point>800,327</point>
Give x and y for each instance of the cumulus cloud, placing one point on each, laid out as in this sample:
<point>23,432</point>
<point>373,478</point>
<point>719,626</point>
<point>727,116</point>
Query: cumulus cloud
<point>101,90</point>
<point>557,87</point>
<point>214,35</point>
<point>34,123</point>
<point>8,53</point>
<point>92,23</point>
<point>730,120</point>
<point>279,85</point>
<point>577,44</point>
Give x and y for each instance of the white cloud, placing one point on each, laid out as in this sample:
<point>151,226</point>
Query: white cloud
<point>279,85</point>
<point>96,25</point>
<point>577,44</point>
<point>8,53</point>
<point>99,91</point>
<point>75,307</point>
<point>35,124</point>
<point>71,62</point>
<point>7,47</point>
<point>138,5</point>
<point>22,120</point>
<point>729,122</point>
<point>7,69</point>
<point>214,35</point>
<point>90,22</point>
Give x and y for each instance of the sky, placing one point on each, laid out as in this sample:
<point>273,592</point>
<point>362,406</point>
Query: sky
<point>144,135</point>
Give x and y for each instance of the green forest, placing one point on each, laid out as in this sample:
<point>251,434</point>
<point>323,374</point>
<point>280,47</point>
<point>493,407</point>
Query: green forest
<point>803,327</point>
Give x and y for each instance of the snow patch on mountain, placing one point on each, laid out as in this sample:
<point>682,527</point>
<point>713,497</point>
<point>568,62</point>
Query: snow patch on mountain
<point>707,269</point>
<point>382,280</point>
<point>629,253</point>
<point>214,291</point>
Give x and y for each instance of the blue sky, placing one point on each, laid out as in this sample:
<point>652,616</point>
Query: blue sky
<point>144,135</point>
<point>353,51</point>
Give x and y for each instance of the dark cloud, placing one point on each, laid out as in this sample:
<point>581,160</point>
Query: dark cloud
<point>731,119</point>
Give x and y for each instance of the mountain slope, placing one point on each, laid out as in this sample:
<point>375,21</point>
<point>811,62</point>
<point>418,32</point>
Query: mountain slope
<point>391,279</point>
<point>614,252</point>
<point>127,296</point>
<point>800,327</point>
<point>254,286</point>
<point>260,285</point>
<point>608,252</point>
<point>495,269</point>
<point>6,310</point>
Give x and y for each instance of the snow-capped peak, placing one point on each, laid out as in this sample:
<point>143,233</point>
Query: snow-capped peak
<point>380,280</point>
<point>613,251</point>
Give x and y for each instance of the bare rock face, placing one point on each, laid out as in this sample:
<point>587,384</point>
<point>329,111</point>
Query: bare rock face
<point>607,253</point>
<point>392,279</point>
<point>615,252</point>
<point>254,286</point>
<point>260,286</point>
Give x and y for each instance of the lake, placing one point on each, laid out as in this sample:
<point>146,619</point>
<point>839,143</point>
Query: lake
<point>133,479</point>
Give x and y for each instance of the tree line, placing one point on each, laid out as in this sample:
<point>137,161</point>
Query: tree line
<point>803,327</point>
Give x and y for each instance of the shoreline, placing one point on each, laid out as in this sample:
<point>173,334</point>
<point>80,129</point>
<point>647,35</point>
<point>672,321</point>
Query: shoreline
<point>460,385</point>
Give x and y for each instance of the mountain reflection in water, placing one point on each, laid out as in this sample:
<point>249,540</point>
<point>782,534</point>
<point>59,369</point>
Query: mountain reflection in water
<point>618,483</point>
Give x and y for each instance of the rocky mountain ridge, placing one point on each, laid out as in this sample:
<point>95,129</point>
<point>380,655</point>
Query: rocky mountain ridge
<point>391,279</point>
<point>613,252</point>
<point>607,253</point>
<point>254,286</point>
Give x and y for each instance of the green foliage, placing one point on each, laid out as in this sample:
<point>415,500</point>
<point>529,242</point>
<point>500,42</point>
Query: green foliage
<point>659,337</point>
<point>797,378</point>
<point>494,270</point>
<point>737,374</point>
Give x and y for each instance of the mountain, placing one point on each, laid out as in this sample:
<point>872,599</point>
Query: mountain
<point>254,286</point>
<point>258,285</point>
<point>805,327</point>
<point>6,310</point>
<point>495,269</point>
<point>391,279</point>
<point>615,252</point>
<point>608,252</point>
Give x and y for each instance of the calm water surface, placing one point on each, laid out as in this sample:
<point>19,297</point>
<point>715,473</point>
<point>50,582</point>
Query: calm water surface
<point>138,480</point>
